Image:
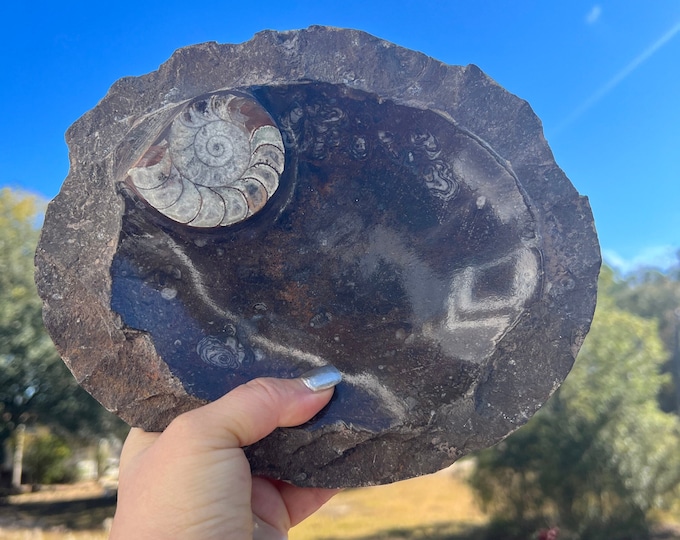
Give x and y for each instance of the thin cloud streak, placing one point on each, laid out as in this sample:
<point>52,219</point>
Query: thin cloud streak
<point>617,79</point>
<point>594,14</point>
<point>659,257</point>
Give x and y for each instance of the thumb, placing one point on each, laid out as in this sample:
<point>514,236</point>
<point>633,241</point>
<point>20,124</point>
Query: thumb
<point>253,410</point>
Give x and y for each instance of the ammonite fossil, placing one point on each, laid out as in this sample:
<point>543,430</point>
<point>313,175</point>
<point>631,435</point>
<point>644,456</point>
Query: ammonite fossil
<point>320,197</point>
<point>216,164</point>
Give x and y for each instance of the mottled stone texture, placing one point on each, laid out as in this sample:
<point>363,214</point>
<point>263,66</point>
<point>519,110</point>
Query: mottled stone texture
<point>422,240</point>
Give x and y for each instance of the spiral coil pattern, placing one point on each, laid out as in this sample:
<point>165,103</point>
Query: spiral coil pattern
<point>217,164</point>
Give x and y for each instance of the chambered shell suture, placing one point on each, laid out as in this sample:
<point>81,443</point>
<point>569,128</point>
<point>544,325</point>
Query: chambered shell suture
<point>216,164</point>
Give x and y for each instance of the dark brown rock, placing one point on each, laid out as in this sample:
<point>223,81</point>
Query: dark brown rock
<point>420,238</point>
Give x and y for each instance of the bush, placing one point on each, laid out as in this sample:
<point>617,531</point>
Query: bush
<point>601,454</point>
<point>46,459</point>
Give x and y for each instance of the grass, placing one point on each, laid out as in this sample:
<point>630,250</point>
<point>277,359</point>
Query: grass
<point>440,505</point>
<point>435,507</point>
<point>69,512</point>
<point>39,534</point>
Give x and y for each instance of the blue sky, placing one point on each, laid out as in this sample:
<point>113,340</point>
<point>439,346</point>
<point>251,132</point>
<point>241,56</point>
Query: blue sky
<point>604,77</point>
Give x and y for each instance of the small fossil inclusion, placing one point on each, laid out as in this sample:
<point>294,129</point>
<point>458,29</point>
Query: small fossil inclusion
<point>320,197</point>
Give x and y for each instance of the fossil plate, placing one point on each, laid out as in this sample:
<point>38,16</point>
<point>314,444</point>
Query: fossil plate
<point>312,197</point>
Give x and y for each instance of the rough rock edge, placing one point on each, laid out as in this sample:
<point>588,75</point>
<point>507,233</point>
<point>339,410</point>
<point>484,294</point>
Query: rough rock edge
<point>360,61</point>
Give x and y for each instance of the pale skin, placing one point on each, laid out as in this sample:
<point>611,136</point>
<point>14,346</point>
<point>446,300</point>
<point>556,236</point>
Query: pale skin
<point>193,481</point>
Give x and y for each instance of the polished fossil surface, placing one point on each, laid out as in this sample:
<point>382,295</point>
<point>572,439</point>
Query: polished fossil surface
<point>399,247</point>
<point>282,204</point>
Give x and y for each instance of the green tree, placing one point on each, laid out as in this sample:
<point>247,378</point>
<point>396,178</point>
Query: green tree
<point>653,294</point>
<point>45,458</point>
<point>601,454</point>
<point>35,385</point>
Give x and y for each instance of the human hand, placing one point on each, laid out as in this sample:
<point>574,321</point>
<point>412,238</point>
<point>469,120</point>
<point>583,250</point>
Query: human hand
<point>193,481</point>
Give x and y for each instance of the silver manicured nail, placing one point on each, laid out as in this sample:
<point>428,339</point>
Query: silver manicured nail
<point>321,378</point>
<point>264,531</point>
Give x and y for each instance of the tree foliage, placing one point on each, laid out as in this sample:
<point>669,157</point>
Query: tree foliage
<point>46,458</point>
<point>35,385</point>
<point>656,295</point>
<point>601,454</point>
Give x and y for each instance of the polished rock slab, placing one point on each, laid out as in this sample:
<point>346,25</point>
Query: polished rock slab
<point>411,228</point>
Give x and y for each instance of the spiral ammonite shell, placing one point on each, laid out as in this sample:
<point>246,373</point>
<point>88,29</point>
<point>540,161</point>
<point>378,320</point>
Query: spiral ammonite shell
<point>216,164</point>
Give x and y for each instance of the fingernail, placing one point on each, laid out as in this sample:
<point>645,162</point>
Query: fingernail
<point>321,378</point>
<point>264,531</point>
